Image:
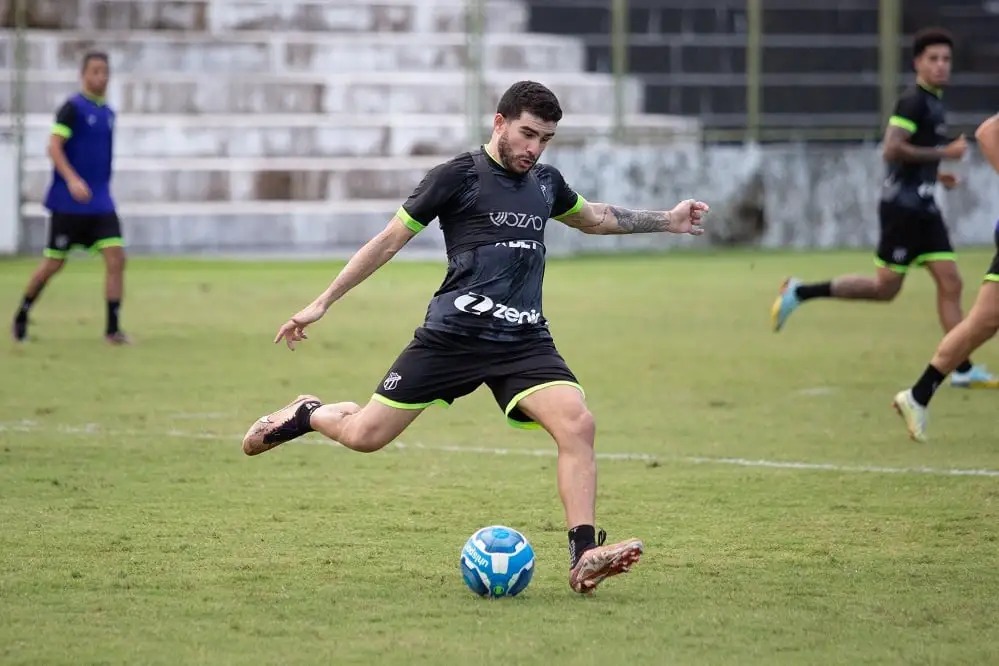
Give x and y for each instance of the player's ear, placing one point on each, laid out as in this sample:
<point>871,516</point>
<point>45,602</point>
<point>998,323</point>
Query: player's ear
<point>499,123</point>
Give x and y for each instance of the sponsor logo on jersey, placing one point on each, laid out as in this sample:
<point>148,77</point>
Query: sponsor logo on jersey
<point>520,245</point>
<point>518,220</point>
<point>480,305</point>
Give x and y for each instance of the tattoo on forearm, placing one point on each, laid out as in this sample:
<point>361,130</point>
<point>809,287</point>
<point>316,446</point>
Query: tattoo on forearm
<point>639,221</point>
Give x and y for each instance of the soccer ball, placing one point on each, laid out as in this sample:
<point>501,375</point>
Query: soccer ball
<point>497,561</point>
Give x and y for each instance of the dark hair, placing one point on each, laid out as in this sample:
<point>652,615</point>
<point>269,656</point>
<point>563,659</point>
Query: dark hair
<point>928,37</point>
<point>532,97</point>
<point>93,55</point>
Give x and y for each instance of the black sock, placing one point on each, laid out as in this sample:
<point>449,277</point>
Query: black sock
<point>816,290</point>
<point>113,308</point>
<point>923,390</point>
<point>965,367</point>
<point>581,539</point>
<point>303,416</point>
<point>22,312</point>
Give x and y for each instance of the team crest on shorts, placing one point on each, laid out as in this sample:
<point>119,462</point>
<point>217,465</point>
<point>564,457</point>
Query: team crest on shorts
<point>391,381</point>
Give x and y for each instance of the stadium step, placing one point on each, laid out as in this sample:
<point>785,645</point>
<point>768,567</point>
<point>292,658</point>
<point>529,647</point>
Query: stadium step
<point>297,229</point>
<point>424,92</point>
<point>424,16</point>
<point>334,135</point>
<point>277,52</point>
<point>288,179</point>
<point>239,227</point>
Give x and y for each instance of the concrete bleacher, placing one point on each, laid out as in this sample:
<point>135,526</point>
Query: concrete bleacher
<point>820,57</point>
<point>248,124</point>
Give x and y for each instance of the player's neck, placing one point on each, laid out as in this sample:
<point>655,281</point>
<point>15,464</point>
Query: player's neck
<point>492,152</point>
<point>93,97</point>
<point>928,88</point>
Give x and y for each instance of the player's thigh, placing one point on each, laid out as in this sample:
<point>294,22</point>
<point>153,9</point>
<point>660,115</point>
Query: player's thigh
<point>560,408</point>
<point>114,257</point>
<point>986,306</point>
<point>946,275</point>
<point>539,390</point>
<point>424,375</point>
<point>377,424</point>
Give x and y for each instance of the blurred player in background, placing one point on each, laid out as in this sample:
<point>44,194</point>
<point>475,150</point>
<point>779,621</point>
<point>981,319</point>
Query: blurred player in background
<point>912,228</point>
<point>79,198</point>
<point>979,326</point>
<point>485,325</point>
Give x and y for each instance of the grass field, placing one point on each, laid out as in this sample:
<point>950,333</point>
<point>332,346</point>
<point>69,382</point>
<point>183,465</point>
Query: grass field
<point>135,531</point>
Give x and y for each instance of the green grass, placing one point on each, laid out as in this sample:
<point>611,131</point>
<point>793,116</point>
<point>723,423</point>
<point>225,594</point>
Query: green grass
<point>135,531</point>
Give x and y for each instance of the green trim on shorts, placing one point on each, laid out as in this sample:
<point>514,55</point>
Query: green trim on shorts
<point>580,202</point>
<point>62,254</point>
<point>111,241</point>
<point>904,123</point>
<point>65,131</point>
<point>992,277</point>
<point>934,256</point>
<point>523,425</point>
<point>407,405</point>
<point>895,268</point>
<point>531,425</point>
<point>411,222</point>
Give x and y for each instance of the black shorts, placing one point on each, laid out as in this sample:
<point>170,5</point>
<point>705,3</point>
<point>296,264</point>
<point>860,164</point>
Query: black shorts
<point>438,368</point>
<point>911,236</point>
<point>90,232</point>
<point>993,274</point>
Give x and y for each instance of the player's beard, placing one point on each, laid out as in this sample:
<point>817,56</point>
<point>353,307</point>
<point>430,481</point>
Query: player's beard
<point>511,161</point>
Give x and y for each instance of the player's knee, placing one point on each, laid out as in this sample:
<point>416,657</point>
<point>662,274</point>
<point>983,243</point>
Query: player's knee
<point>888,290</point>
<point>579,427</point>
<point>950,286</point>
<point>953,287</point>
<point>986,318</point>
<point>365,436</point>
<point>115,262</point>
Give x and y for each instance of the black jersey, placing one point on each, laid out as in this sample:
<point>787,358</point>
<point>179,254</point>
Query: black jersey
<point>494,226</point>
<point>921,112</point>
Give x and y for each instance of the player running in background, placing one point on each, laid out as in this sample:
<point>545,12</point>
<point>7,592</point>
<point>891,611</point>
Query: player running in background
<point>979,326</point>
<point>79,198</point>
<point>485,323</point>
<point>912,229</point>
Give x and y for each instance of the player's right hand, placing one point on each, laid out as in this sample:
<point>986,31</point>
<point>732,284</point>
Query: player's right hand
<point>293,330</point>
<point>956,149</point>
<point>79,190</point>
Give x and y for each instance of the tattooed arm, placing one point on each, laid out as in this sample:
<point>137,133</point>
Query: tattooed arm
<point>599,218</point>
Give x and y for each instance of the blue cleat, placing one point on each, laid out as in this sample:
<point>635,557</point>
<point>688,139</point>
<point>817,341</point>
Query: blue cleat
<point>786,303</point>
<point>977,377</point>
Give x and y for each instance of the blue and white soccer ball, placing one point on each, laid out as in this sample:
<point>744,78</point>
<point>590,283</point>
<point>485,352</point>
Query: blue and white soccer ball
<point>497,561</point>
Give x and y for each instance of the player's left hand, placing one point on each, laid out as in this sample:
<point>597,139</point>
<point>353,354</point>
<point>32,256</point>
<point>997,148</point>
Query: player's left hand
<point>949,180</point>
<point>686,217</point>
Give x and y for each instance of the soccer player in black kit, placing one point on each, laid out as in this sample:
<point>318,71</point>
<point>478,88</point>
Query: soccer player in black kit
<point>976,329</point>
<point>912,230</point>
<point>485,323</point>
